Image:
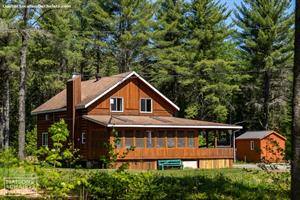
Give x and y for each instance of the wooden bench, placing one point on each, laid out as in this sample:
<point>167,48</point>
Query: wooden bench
<point>169,163</point>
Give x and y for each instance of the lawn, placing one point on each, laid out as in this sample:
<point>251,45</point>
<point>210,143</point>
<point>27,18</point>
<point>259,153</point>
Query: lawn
<point>168,184</point>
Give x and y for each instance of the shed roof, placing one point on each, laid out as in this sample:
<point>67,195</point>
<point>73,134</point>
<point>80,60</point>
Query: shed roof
<point>154,122</point>
<point>258,135</point>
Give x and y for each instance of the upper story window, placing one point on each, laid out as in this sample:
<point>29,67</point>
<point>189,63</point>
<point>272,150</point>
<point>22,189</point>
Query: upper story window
<point>116,104</point>
<point>146,105</point>
<point>252,145</point>
<point>45,139</point>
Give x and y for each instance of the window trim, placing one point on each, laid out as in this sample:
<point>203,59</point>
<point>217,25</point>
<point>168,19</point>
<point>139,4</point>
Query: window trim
<point>83,138</point>
<point>116,97</point>
<point>146,98</point>
<point>251,145</point>
<point>44,144</point>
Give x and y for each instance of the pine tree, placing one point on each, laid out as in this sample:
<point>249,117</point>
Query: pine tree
<point>295,184</point>
<point>264,34</point>
<point>129,39</point>
<point>209,74</point>
<point>8,47</point>
<point>168,49</point>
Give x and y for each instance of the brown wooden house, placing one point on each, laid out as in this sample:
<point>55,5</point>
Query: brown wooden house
<point>260,146</point>
<point>143,117</point>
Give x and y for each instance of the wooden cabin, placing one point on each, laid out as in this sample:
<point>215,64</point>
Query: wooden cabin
<point>142,116</point>
<point>260,146</point>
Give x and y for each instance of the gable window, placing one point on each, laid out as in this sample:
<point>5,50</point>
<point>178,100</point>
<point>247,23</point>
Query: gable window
<point>83,138</point>
<point>252,145</point>
<point>146,105</point>
<point>45,139</point>
<point>116,104</point>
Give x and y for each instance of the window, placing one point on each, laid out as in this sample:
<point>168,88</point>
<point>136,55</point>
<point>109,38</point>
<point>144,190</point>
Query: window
<point>146,105</point>
<point>45,139</point>
<point>171,139</point>
<point>47,117</point>
<point>139,139</point>
<point>161,143</point>
<point>149,139</point>
<point>128,139</point>
<point>116,104</point>
<point>252,145</point>
<point>191,141</point>
<point>83,139</point>
<point>180,139</point>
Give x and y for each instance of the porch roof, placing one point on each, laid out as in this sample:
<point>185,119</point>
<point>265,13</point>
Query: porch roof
<point>155,122</point>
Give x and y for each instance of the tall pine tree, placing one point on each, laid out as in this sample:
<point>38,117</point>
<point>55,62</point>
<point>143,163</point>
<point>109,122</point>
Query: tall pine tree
<point>265,38</point>
<point>209,74</point>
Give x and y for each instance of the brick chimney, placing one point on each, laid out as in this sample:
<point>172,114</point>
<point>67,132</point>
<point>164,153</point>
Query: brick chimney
<point>73,98</point>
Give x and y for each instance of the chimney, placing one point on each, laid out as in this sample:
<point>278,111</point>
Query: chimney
<point>73,98</point>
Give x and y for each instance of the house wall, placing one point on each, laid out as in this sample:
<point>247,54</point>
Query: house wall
<point>244,152</point>
<point>43,125</point>
<point>132,91</point>
<point>273,148</point>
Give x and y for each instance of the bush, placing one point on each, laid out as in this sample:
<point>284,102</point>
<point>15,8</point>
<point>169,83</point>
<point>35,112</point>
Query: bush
<point>8,158</point>
<point>214,184</point>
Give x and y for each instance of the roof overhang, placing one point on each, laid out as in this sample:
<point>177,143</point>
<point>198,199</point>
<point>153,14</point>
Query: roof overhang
<point>111,125</point>
<point>48,111</point>
<point>173,126</point>
<point>122,81</point>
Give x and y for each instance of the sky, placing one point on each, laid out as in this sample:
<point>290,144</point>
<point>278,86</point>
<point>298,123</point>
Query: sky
<point>231,4</point>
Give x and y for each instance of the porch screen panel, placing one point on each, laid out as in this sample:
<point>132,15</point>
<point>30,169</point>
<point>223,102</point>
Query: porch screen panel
<point>139,139</point>
<point>171,139</point>
<point>161,143</point>
<point>191,141</point>
<point>128,138</point>
<point>180,139</point>
<point>119,142</point>
<point>150,140</point>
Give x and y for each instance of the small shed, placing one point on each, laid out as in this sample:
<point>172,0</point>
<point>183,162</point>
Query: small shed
<point>260,146</point>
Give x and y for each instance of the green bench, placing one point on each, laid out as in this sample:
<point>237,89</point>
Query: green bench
<point>169,163</point>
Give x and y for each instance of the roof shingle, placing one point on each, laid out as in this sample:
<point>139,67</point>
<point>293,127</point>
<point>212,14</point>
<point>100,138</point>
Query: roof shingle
<point>89,90</point>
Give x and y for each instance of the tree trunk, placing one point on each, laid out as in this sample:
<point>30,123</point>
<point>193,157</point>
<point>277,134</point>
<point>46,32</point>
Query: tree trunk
<point>22,89</point>
<point>295,186</point>
<point>266,96</point>
<point>6,110</point>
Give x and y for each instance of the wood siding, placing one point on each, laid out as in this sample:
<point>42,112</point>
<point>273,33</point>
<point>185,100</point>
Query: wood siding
<point>179,153</point>
<point>132,91</point>
<point>215,163</point>
<point>43,125</point>
<point>269,149</point>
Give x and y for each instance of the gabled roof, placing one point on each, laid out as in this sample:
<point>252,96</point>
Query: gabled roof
<point>91,91</point>
<point>154,122</point>
<point>258,135</point>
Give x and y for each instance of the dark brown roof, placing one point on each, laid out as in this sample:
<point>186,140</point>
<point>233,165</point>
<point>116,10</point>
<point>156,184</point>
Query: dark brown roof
<point>258,135</point>
<point>154,121</point>
<point>89,90</point>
